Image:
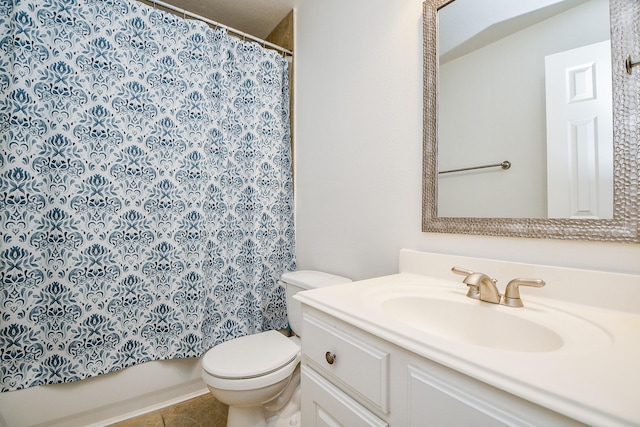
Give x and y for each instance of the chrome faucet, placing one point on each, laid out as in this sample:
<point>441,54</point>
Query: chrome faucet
<point>484,288</point>
<point>480,285</point>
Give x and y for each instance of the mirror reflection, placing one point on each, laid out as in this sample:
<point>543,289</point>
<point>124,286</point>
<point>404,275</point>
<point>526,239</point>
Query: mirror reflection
<point>528,83</point>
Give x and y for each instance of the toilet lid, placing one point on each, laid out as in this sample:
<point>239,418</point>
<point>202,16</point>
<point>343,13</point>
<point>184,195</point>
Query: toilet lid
<point>250,356</point>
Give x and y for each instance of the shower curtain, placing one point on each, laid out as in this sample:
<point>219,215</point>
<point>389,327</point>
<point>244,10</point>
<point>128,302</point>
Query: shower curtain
<point>145,188</point>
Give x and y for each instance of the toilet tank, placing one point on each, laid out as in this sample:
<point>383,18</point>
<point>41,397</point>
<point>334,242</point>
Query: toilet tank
<point>303,280</point>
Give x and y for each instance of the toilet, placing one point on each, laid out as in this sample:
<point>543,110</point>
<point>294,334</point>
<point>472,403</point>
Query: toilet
<point>258,375</point>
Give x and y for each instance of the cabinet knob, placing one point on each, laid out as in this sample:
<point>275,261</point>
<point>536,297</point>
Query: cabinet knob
<point>330,357</point>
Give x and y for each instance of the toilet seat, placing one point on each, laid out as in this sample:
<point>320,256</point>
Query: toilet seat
<point>252,361</point>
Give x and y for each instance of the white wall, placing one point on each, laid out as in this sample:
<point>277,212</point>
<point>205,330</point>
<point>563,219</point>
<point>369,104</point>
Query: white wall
<point>358,149</point>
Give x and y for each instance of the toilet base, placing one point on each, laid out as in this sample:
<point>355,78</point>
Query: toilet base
<point>248,408</point>
<point>246,416</point>
<point>289,415</point>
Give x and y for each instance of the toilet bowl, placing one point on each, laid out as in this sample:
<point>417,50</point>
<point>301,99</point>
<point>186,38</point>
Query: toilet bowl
<point>257,375</point>
<point>248,372</point>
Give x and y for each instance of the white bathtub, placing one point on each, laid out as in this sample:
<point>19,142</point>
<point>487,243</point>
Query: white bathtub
<point>104,399</point>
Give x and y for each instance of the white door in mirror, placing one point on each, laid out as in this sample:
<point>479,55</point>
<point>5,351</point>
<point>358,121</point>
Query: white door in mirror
<point>579,130</point>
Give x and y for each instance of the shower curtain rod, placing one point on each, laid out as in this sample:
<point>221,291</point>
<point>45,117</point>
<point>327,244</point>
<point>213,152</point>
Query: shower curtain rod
<point>238,33</point>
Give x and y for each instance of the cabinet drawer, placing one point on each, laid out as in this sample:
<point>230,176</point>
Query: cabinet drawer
<point>324,405</point>
<point>356,364</point>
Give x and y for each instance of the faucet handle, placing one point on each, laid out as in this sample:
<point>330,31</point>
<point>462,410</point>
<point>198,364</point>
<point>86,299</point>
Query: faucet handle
<point>512,292</point>
<point>474,291</point>
<point>461,271</point>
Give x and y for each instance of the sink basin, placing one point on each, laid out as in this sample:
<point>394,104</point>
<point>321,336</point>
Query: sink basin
<point>449,314</point>
<point>479,324</point>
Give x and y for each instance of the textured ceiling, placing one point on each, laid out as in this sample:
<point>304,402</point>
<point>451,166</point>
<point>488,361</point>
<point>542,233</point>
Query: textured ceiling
<point>255,17</point>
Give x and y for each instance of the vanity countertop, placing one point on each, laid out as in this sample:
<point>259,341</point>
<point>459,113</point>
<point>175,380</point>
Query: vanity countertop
<point>593,379</point>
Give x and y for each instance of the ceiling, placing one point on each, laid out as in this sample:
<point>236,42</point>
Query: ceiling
<point>255,17</point>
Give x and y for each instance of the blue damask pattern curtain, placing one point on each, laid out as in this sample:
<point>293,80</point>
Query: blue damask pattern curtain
<point>145,188</point>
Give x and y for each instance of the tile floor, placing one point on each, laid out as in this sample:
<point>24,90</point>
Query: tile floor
<point>202,411</point>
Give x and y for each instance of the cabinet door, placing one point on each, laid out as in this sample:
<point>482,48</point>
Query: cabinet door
<point>433,403</point>
<point>440,399</point>
<point>324,405</point>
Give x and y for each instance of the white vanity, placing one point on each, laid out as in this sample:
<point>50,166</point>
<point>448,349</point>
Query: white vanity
<point>412,350</point>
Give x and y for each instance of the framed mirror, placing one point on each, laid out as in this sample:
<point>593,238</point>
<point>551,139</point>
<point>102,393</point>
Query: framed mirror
<point>487,171</point>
